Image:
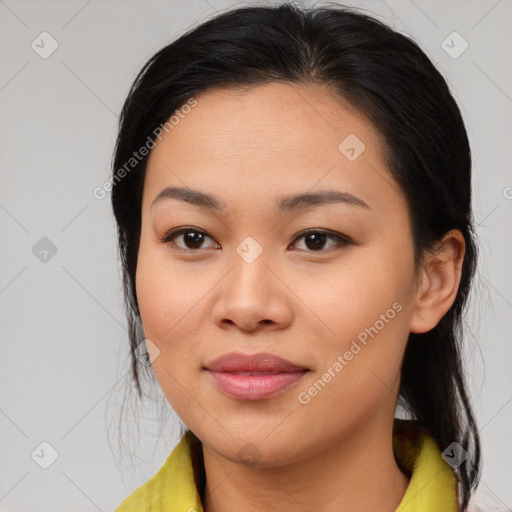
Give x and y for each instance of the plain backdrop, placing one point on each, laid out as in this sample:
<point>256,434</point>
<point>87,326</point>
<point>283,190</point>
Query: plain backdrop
<point>64,364</point>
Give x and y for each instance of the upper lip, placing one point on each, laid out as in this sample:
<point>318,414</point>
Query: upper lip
<point>262,362</point>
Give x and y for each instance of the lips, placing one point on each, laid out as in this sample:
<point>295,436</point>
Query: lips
<point>236,362</point>
<point>255,376</point>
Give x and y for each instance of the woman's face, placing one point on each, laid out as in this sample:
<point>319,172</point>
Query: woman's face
<point>247,280</point>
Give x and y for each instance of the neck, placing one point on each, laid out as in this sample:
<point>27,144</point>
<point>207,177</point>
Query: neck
<point>358,473</point>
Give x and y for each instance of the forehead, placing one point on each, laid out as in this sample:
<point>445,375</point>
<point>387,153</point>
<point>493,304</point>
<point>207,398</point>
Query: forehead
<point>278,115</point>
<point>276,137</point>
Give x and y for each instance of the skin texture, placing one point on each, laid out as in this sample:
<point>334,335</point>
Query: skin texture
<point>200,300</point>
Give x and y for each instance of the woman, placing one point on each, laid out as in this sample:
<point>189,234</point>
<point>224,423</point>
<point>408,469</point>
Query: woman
<point>292,190</point>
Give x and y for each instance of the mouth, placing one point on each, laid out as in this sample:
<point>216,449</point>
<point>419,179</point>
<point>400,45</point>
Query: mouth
<point>245,374</point>
<point>254,377</point>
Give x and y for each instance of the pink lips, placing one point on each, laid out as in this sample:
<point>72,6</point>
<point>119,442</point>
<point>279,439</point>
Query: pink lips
<point>253,377</point>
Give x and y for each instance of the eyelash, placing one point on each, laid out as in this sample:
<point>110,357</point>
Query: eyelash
<point>342,240</point>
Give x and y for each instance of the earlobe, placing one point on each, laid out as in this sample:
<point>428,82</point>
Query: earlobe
<point>439,281</point>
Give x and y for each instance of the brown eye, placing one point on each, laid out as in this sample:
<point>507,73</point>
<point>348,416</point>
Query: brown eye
<point>315,240</point>
<point>192,238</point>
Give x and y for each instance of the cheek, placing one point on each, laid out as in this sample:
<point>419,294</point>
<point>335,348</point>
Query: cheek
<point>166,294</point>
<point>169,319</point>
<point>353,295</point>
<point>366,305</point>
<point>169,303</point>
<point>359,368</point>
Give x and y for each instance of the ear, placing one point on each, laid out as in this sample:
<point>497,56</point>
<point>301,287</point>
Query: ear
<point>438,282</point>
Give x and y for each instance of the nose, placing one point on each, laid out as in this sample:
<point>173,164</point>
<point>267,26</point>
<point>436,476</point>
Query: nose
<point>252,297</point>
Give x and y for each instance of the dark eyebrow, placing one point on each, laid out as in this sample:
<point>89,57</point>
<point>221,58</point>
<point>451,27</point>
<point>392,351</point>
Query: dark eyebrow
<point>195,197</point>
<point>284,204</point>
<point>306,200</point>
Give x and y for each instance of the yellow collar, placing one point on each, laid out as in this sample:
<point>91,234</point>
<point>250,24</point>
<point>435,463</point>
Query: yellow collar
<point>178,484</point>
<point>432,486</point>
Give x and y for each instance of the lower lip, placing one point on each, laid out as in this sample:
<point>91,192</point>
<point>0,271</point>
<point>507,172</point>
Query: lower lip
<point>254,387</point>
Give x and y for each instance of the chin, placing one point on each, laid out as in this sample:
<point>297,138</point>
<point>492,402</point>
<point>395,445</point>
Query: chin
<point>255,449</point>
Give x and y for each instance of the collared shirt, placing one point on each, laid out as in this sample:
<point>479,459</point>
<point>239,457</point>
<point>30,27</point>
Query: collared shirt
<point>179,484</point>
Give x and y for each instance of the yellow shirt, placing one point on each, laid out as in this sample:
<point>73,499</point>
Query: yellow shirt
<point>178,484</point>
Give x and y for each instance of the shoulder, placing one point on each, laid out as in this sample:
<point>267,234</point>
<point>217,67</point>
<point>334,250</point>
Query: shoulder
<point>174,486</point>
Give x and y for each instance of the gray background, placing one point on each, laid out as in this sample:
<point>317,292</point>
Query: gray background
<point>64,363</point>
